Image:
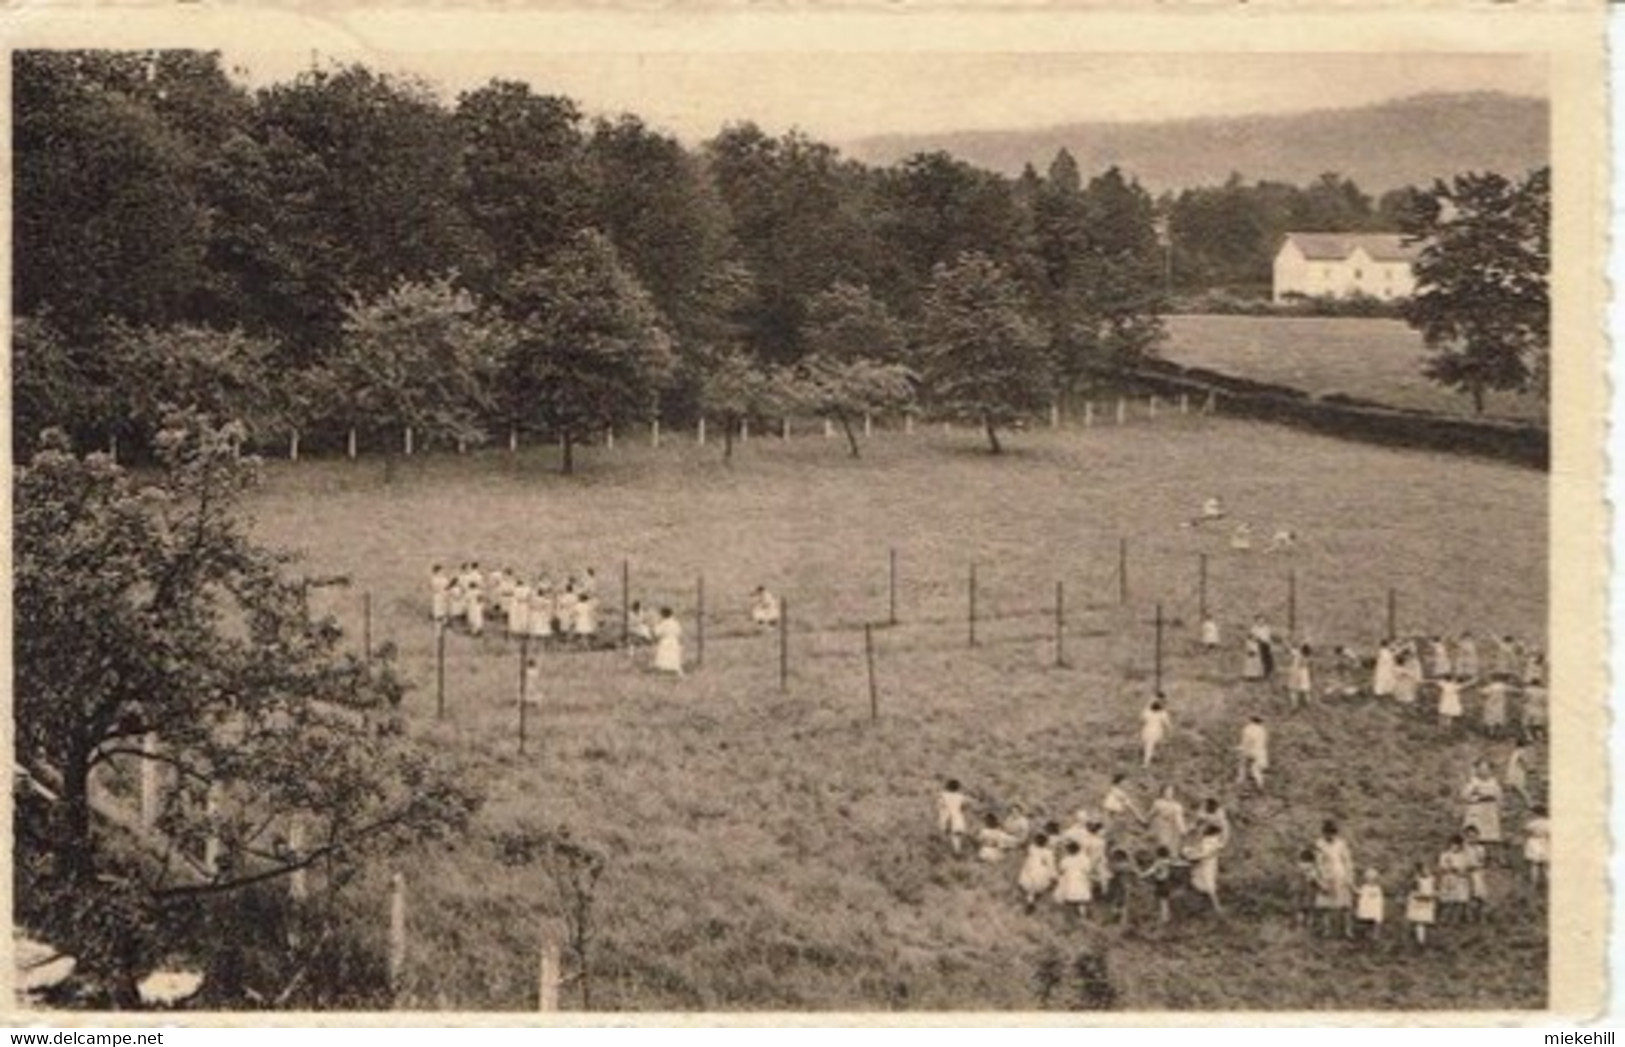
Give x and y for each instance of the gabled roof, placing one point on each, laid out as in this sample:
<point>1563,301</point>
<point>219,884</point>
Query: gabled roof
<point>1337,247</point>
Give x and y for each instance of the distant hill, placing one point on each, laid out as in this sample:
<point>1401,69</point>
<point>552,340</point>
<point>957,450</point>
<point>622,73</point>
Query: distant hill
<point>1404,142</point>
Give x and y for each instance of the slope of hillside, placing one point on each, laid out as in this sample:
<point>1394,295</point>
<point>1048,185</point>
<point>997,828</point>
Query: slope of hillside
<point>1421,138</point>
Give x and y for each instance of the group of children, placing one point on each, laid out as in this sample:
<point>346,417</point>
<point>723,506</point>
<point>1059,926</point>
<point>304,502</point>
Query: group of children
<point>540,610</point>
<point>1090,862</point>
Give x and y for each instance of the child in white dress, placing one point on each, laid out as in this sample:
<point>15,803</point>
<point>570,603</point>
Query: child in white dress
<point>951,814</point>
<point>1072,883</point>
<point>992,841</point>
<point>1369,905</point>
<point>1210,634</point>
<point>668,643</point>
<point>1537,845</point>
<point>1038,871</point>
<point>1118,804</point>
<point>1299,683</point>
<point>1255,753</point>
<point>1421,904</point>
<point>519,609</point>
<point>440,595</point>
<point>1204,859</point>
<point>1155,724</point>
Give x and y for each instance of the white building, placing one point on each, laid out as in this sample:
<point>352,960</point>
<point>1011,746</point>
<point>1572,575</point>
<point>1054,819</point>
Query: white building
<point>1345,264</point>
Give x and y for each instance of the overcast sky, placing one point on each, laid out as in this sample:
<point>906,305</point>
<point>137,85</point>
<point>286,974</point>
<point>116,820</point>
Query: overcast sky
<point>841,96</point>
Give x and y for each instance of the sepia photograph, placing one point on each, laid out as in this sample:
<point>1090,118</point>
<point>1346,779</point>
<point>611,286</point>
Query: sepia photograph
<point>606,517</point>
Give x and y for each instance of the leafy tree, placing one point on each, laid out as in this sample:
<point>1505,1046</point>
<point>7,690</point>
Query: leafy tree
<point>734,387</point>
<point>142,606</point>
<point>590,347</point>
<point>107,217</point>
<point>1481,302</point>
<point>50,384</point>
<point>982,352</point>
<point>224,374</point>
<point>423,356</point>
<point>854,362</point>
<point>527,178</point>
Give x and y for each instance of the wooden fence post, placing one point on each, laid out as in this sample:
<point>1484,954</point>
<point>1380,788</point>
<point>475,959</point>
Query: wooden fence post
<point>1201,586</point>
<point>366,626</point>
<point>1292,603</point>
<point>1122,570</point>
<point>549,977</point>
<point>971,590</point>
<point>626,603</point>
<point>1393,615</point>
<point>869,659</point>
<point>1060,626</point>
<point>440,672</point>
<point>891,586</point>
<point>699,623</point>
<point>784,645</point>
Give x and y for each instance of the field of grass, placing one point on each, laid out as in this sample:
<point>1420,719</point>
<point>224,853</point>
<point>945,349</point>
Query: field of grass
<point>1375,360</point>
<point>775,851</point>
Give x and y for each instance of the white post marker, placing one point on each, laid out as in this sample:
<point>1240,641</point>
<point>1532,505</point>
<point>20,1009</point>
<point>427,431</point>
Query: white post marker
<point>868,425</point>
<point>702,430</point>
<point>150,786</point>
<point>1055,416</point>
<point>547,984</point>
<point>654,433</point>
<point>293,447</point>
<point>744,430</point>
<point>397,931</point>
<point>407,443</point>
<point>784,428</point>
<point>349,444</point>
<point>513,439</point>
<point>829,430</point>
<point>1088,414</point>
<point>609,438</point>
<point>908,424</point>
<point>1122,410</point>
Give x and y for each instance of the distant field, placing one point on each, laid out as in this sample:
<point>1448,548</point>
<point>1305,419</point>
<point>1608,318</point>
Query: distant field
<point>774,851</point>
<point>1376,360</point>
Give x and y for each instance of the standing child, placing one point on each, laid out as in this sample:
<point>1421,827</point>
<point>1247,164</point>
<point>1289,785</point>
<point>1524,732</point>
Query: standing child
<point>1213,816</point>
<point>1255,753</point>
<point>1161,875</point>
<point>440,595</point>
<point>1072,883</point>
<point>1155,725</point>
<point>1369,905</point>
<point>1120,869</point>
<point>668,643</point>
<point>1308,886</point>
<point>519,608</point>
<point>1467,663</point>
<point>1168,820</point>
<point>1450,708</point>
<point>951,814</point>
<point>1210,634</point>
<point>1407,677</point>
<point>1537,845</point>
<point>1038,871</point>
<point>1454,891</point>
<point>1335,865</point>
<point>1477,875</point>
<point>540,615</point>
<point>1533,712</point>
<point>1299,682</point>
<point>1384,679</point>
<point>1017,824</point>
<point>1518,770</point>
<point>476,611</point>
<point>1204,858</point>
<point>1481,813</point>
<point>1421,903</point>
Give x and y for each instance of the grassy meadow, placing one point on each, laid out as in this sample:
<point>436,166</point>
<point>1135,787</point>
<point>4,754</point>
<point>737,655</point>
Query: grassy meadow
<point>774,850</point>
<point>1369,359</point>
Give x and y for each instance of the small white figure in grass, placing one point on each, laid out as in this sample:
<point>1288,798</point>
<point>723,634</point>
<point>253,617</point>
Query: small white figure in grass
<point>1265,636</point>
<point>1493,713</point>
<point>1450,705</point>
<point>1255,752</point>
<point>1532,712</point>
<point>1481,814</point>
<point>993,841</point>
<point>1534,668</point>
<point>951,814</point>
<point>584,618</point>
<point>668,632</point>
<point>1455,890</point>
<point>1477,874</point>
<point>506,582</point>
<point>1155,725</point>
<point>1369,906</point>
<point>1385,675</point>
<point>1073,883</point>
<point>1537,845</point>
<point>764,608</point>
<point>1439,664</point>
<point>1160,873</point>
<point>1204,858</point>
<point>540,616</point>
<point>1038,871</point>
<point>1212,509</point>
<point>457,594</point>
<point>1167,820</point>
<point>1299,677</point>
<point>638,628</point>
<point>1283,540</point>
<point>1093,847</point>
<point>1335,866</point>
<point>1517,773</point>
<point>1508,655</point>
<point>1422,903</point>
<point>439,595</point>
<point>564,609</point>
<point>519,599</point>
<point>1241,539</point>
<point>1118,804</point>
<point>1210,634</point>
